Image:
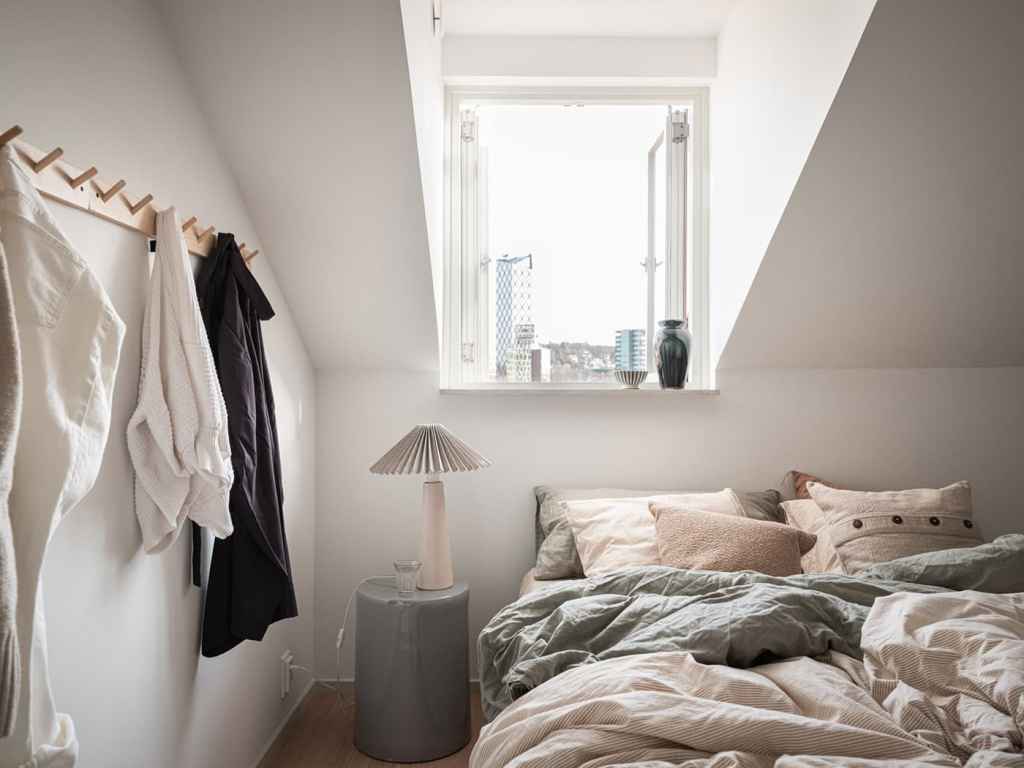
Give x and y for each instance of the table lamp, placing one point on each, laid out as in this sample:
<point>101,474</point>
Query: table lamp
<point>430,449</point>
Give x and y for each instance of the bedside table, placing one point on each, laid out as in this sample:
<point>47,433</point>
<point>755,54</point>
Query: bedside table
<point>412,672</point>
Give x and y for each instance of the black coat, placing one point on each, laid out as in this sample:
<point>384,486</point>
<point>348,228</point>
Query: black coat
<point>250,584</point>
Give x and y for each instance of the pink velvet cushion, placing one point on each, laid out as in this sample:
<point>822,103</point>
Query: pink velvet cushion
<point>708,541</point>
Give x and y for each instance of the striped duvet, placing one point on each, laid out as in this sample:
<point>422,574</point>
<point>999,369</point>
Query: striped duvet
<point>941,684</point>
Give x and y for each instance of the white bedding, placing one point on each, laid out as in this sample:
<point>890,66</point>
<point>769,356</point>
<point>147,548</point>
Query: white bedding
<point>942,683</point>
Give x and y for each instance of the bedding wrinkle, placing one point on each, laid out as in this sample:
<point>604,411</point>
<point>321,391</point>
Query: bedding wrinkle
<point>950,668</point>
<point>738,619</point>
<point>655,667</point>
<point>619,712</point>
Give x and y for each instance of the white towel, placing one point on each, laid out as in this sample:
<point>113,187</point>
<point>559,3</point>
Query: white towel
<point>178,435</point>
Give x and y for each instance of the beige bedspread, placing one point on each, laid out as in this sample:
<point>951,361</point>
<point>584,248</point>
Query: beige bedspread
<point>949,668</point>
<point>943,684</point>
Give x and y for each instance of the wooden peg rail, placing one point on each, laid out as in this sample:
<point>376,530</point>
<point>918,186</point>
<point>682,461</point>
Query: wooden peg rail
<point>47,160</point>
<point>106,196</point>
<point>56,179</point>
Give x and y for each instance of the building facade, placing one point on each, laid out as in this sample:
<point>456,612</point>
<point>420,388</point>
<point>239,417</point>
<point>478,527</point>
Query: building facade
<point>513,292</point>
<point>631,349</point>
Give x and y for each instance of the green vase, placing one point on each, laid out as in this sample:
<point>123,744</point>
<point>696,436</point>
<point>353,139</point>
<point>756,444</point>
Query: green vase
<point>672,353</point>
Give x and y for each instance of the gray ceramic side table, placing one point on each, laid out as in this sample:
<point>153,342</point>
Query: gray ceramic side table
<point>412,672</point>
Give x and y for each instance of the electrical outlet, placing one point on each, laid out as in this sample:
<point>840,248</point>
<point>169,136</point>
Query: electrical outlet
<point>286,672</point>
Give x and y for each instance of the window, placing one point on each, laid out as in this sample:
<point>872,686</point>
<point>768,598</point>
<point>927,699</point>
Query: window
<point>577,221</point>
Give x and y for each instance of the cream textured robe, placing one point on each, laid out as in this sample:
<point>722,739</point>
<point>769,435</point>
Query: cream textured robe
<point>10,417</point>
<point>178,435</point>
<point>70,338</point>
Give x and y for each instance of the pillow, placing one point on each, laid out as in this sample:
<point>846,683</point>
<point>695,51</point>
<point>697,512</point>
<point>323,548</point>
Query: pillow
<point>619,533</point>
<point>871,528</point>
<point>994,567</point>
<point>762,505</point>
<point>556,547</point>
<point>806,516</point>
<point>556,554</point>
<point>692,538</point>
<point>794,484</point>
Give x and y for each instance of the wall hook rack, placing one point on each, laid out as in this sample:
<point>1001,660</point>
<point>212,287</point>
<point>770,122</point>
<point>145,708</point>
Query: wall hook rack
<point>84,176</point>
<point>109,194</point>
<point>10,134</point>
<point>47,160</point>
<point>140,205</point>
<point>59,180</point>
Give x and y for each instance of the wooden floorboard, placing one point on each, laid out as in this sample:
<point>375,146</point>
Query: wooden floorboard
<point>319,735</point>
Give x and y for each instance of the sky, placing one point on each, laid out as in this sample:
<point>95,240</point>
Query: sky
<point>569,185</point>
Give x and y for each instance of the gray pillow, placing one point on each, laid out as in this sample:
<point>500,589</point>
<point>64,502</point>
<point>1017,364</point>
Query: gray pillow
<point>763,505</point>
<point>994,567</point>
<point>557,557</point>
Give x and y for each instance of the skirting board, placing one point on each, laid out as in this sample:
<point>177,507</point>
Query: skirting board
<point>284,721</point>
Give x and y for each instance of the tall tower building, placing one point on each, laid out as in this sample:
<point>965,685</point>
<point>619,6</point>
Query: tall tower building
<point>519,357</point>
<point>513,290</point>
<point>631,349</point>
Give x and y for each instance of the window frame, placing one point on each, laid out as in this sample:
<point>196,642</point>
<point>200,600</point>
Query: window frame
<point>457,98</point>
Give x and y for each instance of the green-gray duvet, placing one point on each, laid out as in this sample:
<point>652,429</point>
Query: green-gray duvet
<point>736,619</point>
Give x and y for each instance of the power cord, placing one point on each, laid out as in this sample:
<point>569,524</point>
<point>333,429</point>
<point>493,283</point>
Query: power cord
<point>338,644</point>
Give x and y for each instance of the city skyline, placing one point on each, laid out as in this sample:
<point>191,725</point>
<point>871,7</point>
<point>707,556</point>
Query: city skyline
<point>592,210</point>
<point>519,356</point>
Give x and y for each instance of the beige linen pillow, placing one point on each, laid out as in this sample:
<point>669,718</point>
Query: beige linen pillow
<point>868,528</point>
<point>619,533</point>
<point>805,515</point>
<point>692,538</point>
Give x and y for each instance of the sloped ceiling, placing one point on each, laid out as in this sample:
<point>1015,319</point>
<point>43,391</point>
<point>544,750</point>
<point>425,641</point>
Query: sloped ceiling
<point>903,242</point>
<point>780,64</point>
<point>611,18</point>
<point>311,104</point>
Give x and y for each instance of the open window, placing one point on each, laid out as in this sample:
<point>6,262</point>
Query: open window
<point>578,220</point>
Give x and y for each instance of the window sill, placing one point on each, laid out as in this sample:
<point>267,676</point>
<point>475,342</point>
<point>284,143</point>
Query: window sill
<point>602,390</point>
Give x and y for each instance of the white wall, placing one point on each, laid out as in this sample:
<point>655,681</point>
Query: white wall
<point>312,104</point>
<point>423,52</point>
<point>626,18</point>
<point>864,429</point>
<point>902,244</point>
<point>525,56</point>
<point>101,80</point>
<point>780,63</point>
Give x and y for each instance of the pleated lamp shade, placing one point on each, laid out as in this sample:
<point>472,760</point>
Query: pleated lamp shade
<point>430,449</point>
<point>427,450</point>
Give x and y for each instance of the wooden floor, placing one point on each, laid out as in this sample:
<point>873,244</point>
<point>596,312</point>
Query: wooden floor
<point>319,735</point>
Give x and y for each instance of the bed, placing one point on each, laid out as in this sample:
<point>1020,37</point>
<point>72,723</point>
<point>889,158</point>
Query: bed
<point>530,583</point>
<point>917,662</point>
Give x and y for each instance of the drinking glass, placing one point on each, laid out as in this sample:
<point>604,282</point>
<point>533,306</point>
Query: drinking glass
<point>406,573</point>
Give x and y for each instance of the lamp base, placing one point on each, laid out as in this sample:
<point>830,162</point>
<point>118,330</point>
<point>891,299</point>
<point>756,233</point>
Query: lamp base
<point>435,550</point>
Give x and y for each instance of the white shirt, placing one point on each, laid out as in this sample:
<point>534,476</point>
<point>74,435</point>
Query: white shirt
<point>178,435</point>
